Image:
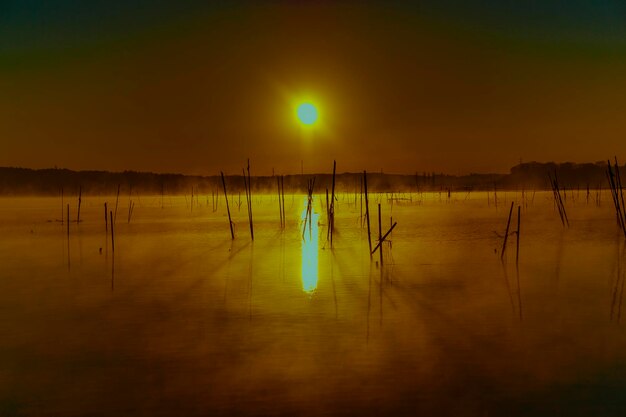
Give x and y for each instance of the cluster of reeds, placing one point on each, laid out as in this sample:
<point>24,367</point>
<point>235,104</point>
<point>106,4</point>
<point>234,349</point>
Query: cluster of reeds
<point>280,181</point>
<point>558,199</point>
<point>615,182</point>
<point>308,216</point>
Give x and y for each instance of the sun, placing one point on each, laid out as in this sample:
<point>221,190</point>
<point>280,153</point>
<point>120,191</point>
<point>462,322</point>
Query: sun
<point>307,114</point>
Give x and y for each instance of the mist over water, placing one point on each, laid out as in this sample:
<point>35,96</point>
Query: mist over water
<point>182,320</point>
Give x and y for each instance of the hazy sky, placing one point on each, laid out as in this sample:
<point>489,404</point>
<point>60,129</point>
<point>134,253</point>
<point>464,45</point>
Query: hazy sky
<point>198,87</point>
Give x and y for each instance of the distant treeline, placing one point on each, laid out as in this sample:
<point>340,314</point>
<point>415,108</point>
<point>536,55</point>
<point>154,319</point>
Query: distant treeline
<point>532,175</point>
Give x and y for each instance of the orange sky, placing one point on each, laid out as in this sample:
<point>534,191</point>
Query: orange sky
<point>398,89</point>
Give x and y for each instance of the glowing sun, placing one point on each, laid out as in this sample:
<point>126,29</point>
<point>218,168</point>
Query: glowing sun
<point>307,113</point>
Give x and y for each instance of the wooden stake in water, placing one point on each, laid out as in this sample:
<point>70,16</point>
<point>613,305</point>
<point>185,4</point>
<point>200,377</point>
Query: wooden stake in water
<point>619,183</point>
<point>391,228</point>
<point>130,201</point>
<point>112,232</point>
<point>248,185</point>
<point>332,205</point>
<point>131,208</point>
<point>380,235</point>
<point>106,227</point>
<point>517,246</point>
<point>560,200</point>
<point>506,234</point>
<point>68,237</point>
<point>250,203</point>
<point>328,219</point>
<point>80,193</point>
<point>230,222</point>
<point>308,216</point>
<point>367,212</point>
<point>615,185</point>
<point>280,206</point>
<point>282,190</point>
<point>378,246</point>
<point>62,206</point>
<point>361,202</point>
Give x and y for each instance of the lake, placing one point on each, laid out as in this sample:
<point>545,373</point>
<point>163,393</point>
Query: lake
<point>182,320</point>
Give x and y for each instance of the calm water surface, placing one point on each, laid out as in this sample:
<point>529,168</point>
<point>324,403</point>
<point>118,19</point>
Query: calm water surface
<point>182,321</point>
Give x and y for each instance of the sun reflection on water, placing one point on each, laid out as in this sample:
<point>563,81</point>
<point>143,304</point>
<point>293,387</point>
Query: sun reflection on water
<point>310,250</point>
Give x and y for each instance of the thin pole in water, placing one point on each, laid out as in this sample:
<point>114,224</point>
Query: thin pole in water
<point>367,212</point>
<point>248,186</point>
<point>361,202</point>
<point>380,235</point>
<point>328,216</point>
<point>280,207</point>
<point>130,201</point>
<point>282,190</point>
<point>230,223</point>
<point>68,237</point>
<point>80,193</point>
<point>112,232</point>
<point>332,205</point>
<point>384,237</point>
<point>117,200</point>
<point>519,213</point>
<point>506,234</point>
<point>250,202</point>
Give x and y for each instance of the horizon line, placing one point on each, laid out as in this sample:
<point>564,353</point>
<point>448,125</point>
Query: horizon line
<point>217,174</point>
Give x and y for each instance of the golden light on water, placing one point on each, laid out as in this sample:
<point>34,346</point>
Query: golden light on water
<point>310,251</point>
